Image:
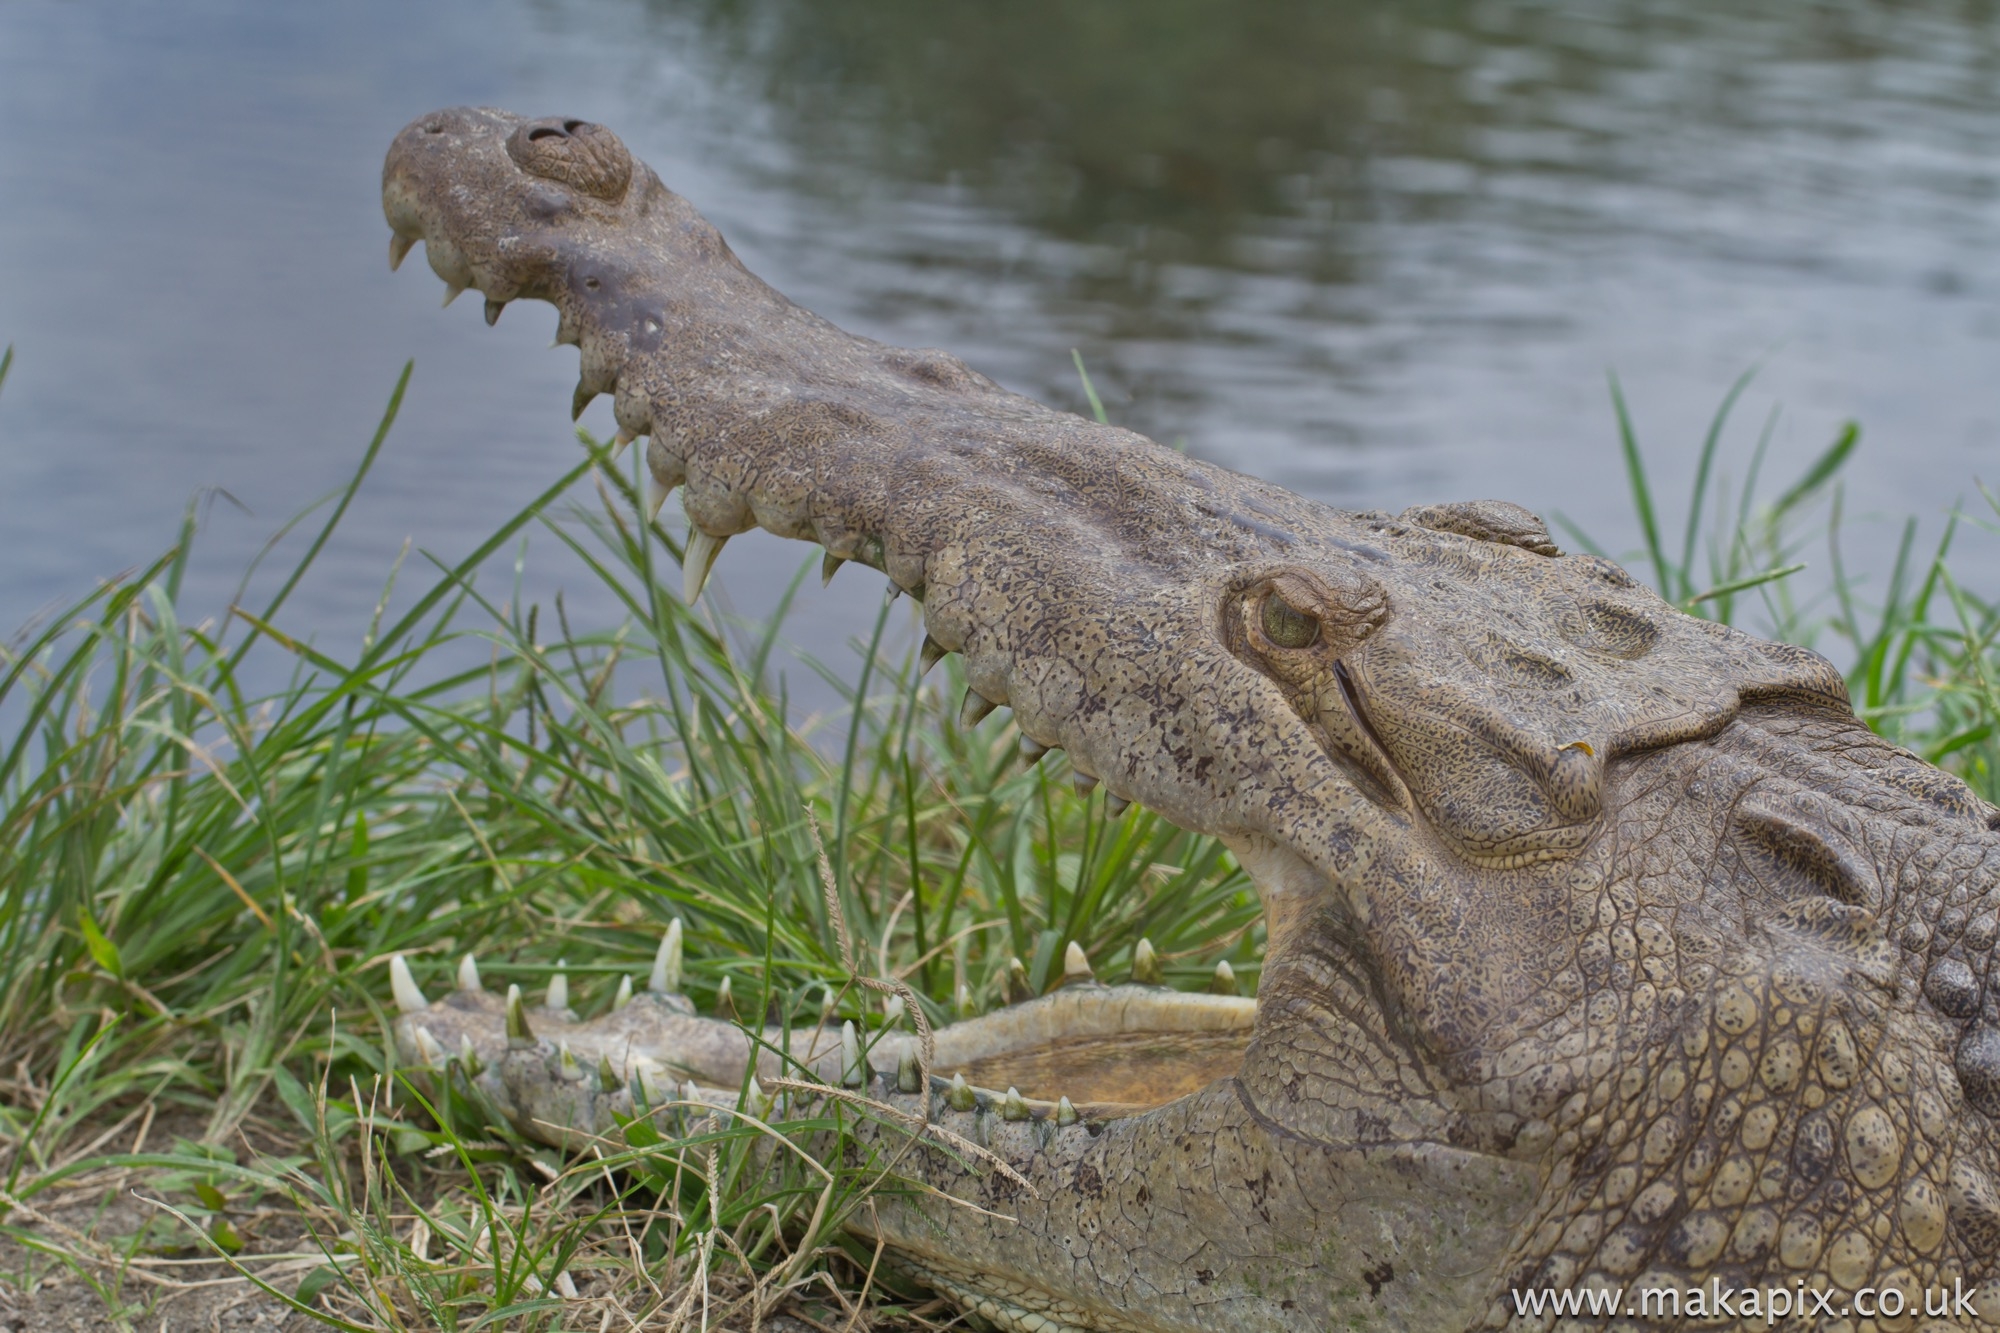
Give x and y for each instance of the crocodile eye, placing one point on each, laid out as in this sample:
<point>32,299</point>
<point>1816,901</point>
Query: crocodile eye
<point>1287,626</point>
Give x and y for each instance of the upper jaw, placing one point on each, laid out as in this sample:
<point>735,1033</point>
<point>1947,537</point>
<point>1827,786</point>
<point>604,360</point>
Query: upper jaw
<point>486,222</point>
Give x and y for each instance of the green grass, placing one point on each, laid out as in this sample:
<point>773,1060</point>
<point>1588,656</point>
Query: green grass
<point>195,880</point>
<point>200,887</point>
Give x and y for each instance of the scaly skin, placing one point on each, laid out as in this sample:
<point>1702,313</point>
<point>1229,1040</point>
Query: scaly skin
<point>1606,946</point>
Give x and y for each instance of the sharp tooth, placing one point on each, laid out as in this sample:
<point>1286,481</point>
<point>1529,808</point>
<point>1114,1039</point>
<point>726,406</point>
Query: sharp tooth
<point>1018,988</point>
<point>829,565</point>
<point>656,495</point>
<point>895,591</point>
<point>666,978</point>
<point>1076,964</point>
<point>566,1285</point>
<point>580,400</point>
<point>1032,750</point>
<point>518,1031</point>
<point>974,710</point>
<point>1115,805</point>
<point>558,988</point>
<point>1065,1113</point>
<point>624,995</point>
<point>959,1095</point>
<point>754,1099</point>
<point>468,1058</point>
<point>1146,969</point>
<point>468,974</point>
<point>567,332</point>
<point>404,986</point>
<point>934,652</point>
<point>639,1081</point>
<point>892,1012</point>
<point>620,440</point>
<point>1084,783</point>
<point>567,1068</point>
<point>431,1048</point>
<point>852,1073</point>
<point>1013,1106</point>
<point>908,1077</point>
<point>493,309</point>
<point>1224,980</point>
<point>607,1077</point>
<point>700,558</point>
<point>399,249</point>
<point>725,1002</point>
<point>964,1003</point>
<point>452,291</point>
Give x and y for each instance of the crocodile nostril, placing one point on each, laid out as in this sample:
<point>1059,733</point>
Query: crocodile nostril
<point>548,132</point>
<point>572,126</point>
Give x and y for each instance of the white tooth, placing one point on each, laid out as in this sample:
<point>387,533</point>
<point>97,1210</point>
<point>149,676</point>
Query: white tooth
<point>624,995</point>
<point>467,1057</point>
<point>656,495</point>
<point>468,973</point>
<point>964,1002</point>
<point>1146,970</point>
<point>892,1012</point>
<point>566,1285</point>
<point>973,710</point>
<point>518,1031</point>
<point>852,1074</point>
<point>666,978</point>
<point>650,1077</point>
<point>1076,964</point>
<point>623,438</point>
<point>559,988</point>
<point>1224,980</point>
<point>1014,1106</point>
<point>452,291</point>
<point>754,1100</point>
<point>399,249</point>
<point>432,1048</point>
<point>1065,1113</point>
<point>700,558</point>
<point>408,998</point>
<point>1115,805</point>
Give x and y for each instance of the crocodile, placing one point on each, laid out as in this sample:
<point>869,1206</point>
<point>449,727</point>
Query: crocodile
<point>1608,951</point>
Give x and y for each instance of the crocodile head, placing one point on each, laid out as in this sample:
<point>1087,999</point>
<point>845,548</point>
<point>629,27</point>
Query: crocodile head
<point>1606,947</point>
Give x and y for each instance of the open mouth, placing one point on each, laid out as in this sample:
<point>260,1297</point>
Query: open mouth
<point>1087,1051</point>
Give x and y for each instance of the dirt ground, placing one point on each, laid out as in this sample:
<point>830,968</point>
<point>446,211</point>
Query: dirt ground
<point>94,1252</point>
<point>154,1294</point>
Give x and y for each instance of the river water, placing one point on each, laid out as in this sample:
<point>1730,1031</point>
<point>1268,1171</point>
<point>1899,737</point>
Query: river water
<point>1381,253</point>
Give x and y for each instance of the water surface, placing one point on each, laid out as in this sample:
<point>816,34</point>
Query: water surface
<point>1381,253</point>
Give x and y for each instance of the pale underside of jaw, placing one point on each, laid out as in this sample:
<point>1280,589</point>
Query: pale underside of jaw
<point>1085,1053</point>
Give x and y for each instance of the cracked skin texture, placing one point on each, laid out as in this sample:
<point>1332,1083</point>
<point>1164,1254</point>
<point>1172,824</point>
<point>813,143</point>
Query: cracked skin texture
<point>1606,946</point>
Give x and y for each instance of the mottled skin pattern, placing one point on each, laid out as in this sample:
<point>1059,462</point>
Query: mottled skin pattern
<point>1606,946</point>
